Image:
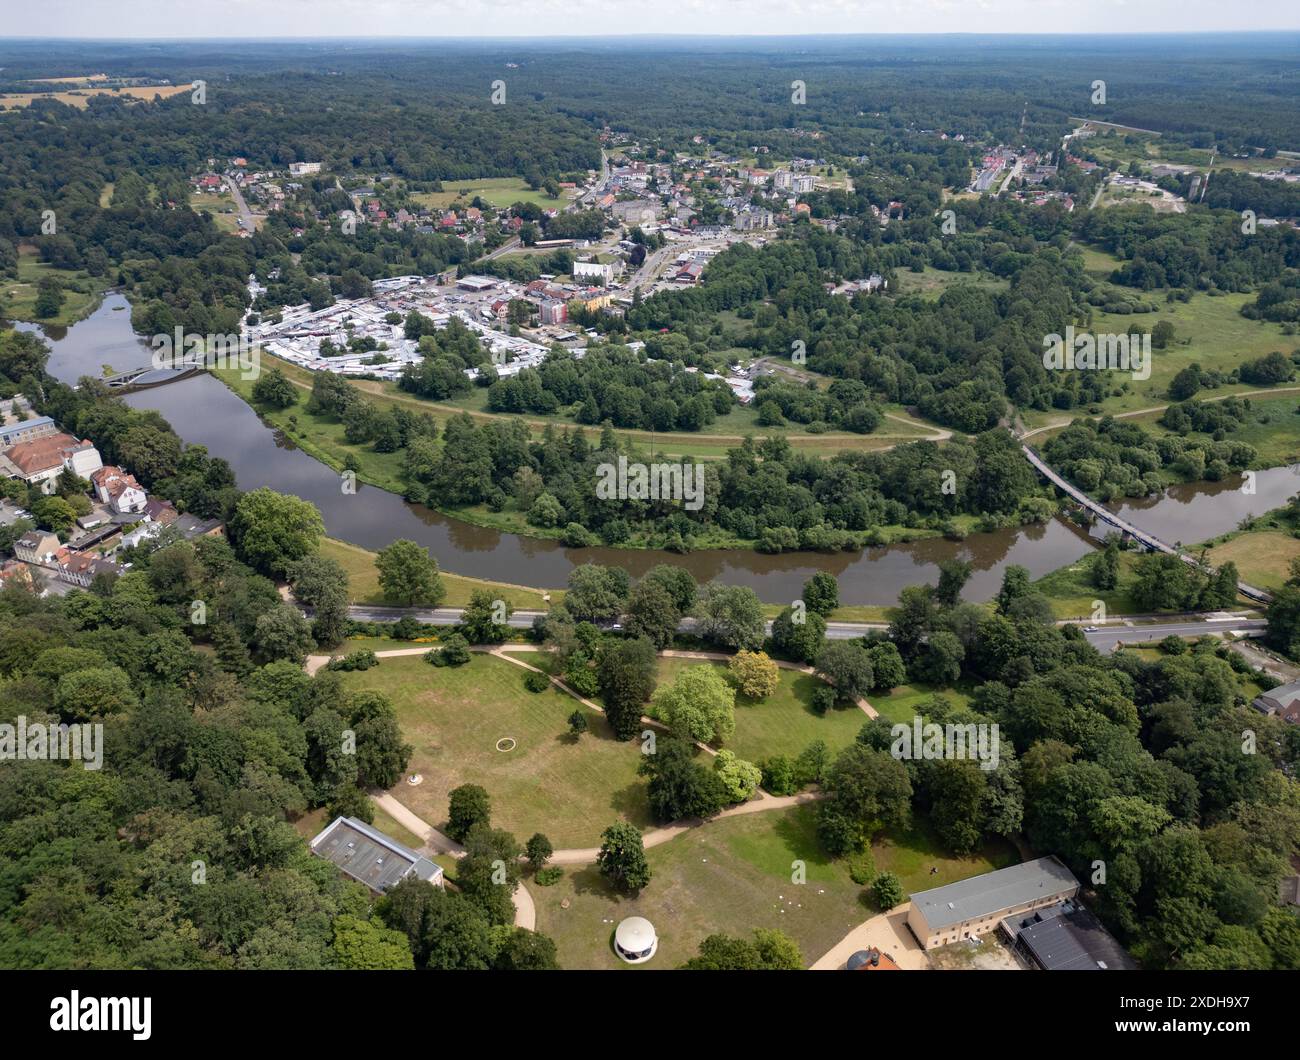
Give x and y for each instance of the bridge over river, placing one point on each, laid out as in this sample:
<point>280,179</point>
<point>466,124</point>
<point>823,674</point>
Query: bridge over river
<point>1148,541</point>
<point>150,375</point>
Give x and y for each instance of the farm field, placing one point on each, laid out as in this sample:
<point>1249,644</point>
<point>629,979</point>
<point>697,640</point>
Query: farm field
<point>80,98</point>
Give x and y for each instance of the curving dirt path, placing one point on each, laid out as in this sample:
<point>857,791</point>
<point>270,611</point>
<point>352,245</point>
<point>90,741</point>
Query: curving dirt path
<point>525,910</point>
<point>1065,422</point>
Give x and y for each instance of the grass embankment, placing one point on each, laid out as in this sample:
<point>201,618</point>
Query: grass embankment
<point>363,582</point>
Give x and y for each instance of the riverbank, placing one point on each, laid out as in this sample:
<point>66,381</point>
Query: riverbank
<point>323,438</point>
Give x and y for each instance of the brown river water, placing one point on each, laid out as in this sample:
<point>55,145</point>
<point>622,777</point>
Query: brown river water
<point>202,410</point>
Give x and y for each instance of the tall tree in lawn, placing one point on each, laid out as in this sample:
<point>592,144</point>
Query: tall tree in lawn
<point>622,859</point>
<point>488,874</point>
<point>680,787</point>
<point>866,790</point>
<point>381,754</point>
<point>272,531</point>
<point>847,667</point>
<point>756,676</point>
<point>408,575</point>
<point>467,806</point>
<point>698,705</point>
<point>321,583</point>
<point>625,670</point>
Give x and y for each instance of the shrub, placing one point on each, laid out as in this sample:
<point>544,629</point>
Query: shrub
<point>536,681</point>
<point>454,652</point>
<point>862,868</point>
<point>888,891</point>
<point>779,775</point>
<point>550,875</point>
<point>357,660</point>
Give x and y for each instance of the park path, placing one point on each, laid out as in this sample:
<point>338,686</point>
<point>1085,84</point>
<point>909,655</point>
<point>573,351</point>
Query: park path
<point>525,909</point>
<point>888,932</point>
<point>653,838</point>
<point>440,843</point>
<point>1065,422</point>
<point>316,662</point>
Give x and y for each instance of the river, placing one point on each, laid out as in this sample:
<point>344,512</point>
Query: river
<point>203,411</point>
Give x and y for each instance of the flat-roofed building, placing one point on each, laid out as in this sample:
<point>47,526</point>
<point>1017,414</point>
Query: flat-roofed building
<point>370,857</point>
<point>974,907</point>
<point>24,430</point>
<point>1066,937</point>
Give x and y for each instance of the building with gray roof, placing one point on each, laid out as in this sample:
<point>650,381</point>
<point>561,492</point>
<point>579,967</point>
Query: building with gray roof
<point>974,907</point>
<point>370,857</point>
<point>1066,937</point>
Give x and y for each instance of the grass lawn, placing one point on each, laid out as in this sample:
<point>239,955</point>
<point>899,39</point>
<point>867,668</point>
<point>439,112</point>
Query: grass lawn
<point>784,723</point>
<point>497,191</point>
<point>1209,330</point>
<point>932,282</point>
<point>81,291</point>
<point>735,875</point>
<point>221,207</point>
<point>396,831</point>
<point>912,853</point>
<point>1072,593</point>
<point>453,718</point>
<point>903,703</point>
<point>363,581</point>
<point>1272,428</point>
<point>1263,557</point>
<point>730,876</point>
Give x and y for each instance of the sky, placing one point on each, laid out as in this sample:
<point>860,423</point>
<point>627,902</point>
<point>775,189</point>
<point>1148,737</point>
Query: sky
<point>487,18</point>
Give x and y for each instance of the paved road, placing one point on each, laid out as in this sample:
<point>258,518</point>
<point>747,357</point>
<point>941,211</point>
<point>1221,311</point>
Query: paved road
<point>449,616</point>
<point>1130,630</point>
<point>1106,638</point>
<point>245,214</point>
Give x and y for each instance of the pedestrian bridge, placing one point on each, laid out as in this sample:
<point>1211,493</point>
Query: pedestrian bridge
<point>1148,541</point>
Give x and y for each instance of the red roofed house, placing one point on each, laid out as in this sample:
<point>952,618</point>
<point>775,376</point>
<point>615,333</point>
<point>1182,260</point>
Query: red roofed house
<point>40,461</point>
<point>119,490</point>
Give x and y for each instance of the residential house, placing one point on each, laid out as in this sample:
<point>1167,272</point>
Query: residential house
<point>36,546</point>
<point>119,490</point>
